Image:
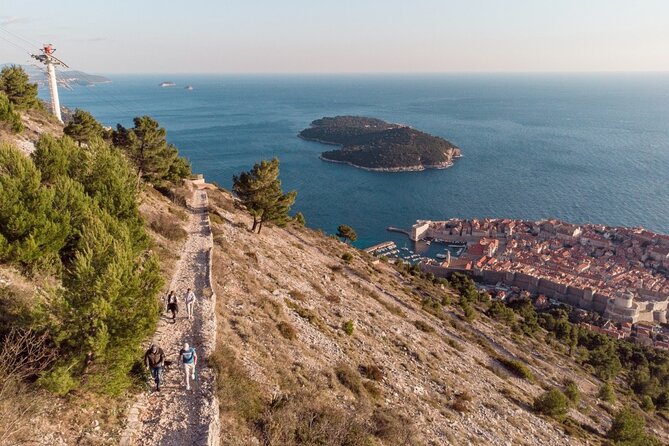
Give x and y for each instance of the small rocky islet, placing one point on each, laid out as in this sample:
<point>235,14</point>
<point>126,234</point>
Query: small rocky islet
<point>373,144</point>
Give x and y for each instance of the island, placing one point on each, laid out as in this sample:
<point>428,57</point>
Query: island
<point>373,144</point>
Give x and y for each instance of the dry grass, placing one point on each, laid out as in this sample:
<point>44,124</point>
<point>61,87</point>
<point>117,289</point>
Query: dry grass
<point>286,330</point>
<point>307,420</point>
<point>373,372</point>
<point>168,228</point>
<point>423,326</point>
<point>461,402</point>
<point>332,298</point>
<point>349,379</point>
<point>237,393</point>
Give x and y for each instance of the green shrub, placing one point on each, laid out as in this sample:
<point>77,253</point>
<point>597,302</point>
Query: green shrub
<point>553,403</point>
<point>347,257</point>
<point>628,429</point>
<point>647,403</point>
<point>606,392</point>
<point>572,392</point>
<point>348,327</point>
<point>9,115</point>
<point>299,219</point>
<point>59,380</point>
<point>517,368</point>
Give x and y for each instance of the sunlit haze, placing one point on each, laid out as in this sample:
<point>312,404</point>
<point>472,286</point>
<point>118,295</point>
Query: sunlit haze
<point>299,36</point>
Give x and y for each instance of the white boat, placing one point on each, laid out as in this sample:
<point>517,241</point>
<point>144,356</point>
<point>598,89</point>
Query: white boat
<point>189,87</point>
<point>168,84</point>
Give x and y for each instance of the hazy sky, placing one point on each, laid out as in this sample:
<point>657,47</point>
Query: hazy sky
<point>273,36</point>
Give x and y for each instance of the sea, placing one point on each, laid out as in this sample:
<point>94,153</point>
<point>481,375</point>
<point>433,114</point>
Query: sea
<point>584,148</point>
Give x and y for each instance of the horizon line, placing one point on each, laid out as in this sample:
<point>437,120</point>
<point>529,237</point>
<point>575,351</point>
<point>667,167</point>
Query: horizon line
<point>372,73</point>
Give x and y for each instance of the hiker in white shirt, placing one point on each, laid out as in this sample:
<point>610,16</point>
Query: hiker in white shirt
<point>189,360</point>
<point>190,303</point>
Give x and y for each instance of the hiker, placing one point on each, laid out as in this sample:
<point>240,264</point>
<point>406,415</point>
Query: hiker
<point>172,305</point>
<point>190,303</point>
<point>154,358</point>
<point>189,359</point>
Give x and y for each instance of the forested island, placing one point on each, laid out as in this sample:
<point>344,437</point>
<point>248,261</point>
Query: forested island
<point>373,144</point>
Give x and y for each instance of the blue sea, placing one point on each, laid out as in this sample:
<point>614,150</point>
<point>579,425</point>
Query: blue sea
<point>578,147</point>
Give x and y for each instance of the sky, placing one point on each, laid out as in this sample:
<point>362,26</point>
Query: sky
<point>341,36</point>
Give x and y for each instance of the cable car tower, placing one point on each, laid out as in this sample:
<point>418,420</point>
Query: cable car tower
<point>48,59</point>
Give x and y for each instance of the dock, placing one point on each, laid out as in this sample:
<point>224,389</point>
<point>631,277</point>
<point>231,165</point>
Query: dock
<point>400,230</point>
<point>379,247</point>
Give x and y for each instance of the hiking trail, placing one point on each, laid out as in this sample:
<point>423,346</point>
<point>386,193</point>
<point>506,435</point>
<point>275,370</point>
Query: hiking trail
<point>175,416</point>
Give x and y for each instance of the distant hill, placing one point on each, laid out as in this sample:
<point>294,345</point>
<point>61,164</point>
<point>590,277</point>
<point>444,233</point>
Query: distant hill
<point>69,77</point>
<point>374,144</point>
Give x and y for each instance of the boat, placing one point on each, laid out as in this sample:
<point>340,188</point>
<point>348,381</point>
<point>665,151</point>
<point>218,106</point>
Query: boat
<point>442,256</point>
<point>189,87</point>
<point>168,84</point>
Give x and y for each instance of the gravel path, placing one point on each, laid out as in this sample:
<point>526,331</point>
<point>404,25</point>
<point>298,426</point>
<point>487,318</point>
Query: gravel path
<point>176,416</point>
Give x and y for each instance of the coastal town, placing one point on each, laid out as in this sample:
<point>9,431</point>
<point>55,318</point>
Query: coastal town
<point>619,273</point>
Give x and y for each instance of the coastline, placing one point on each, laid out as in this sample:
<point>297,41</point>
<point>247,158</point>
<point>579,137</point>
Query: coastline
<point>419,168</point>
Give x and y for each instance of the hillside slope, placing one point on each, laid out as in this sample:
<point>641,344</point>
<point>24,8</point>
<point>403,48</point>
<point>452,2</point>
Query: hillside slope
<point>402,375</point>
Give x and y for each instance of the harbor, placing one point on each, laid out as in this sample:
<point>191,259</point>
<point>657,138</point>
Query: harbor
<point>425,250</point>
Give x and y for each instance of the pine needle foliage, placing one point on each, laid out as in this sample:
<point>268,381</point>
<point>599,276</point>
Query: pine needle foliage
<point>73,210</point>
<point>260,191</point>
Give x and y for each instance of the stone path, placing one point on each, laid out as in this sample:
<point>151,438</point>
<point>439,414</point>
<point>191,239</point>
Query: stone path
<point>176,416</point>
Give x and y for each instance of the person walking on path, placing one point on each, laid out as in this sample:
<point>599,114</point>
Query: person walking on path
<point>172,305</point>
<point>154,358</point>
<point>189,359</point>
<point>190,303</point>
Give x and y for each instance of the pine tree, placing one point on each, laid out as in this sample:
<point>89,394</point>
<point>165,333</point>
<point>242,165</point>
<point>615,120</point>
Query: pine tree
<point>146,146</point>
<point>29,227</point>
<point>14,82</point>
<point>83,127</point>
<point>9,115</point>
<point>346,233</point>
<point>260,191</point>
<point>56,157</point>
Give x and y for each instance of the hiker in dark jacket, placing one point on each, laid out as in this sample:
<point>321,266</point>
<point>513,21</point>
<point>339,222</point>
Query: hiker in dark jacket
<point>154,358</point>
<point>172,305</point>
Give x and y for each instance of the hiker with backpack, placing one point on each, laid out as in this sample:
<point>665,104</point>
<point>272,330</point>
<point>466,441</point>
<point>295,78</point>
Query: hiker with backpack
<point>189,360</point>
<point>172,305</point>
<point>190,303</point>
<point>154,358</point>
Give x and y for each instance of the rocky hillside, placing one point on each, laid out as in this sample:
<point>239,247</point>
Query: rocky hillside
<point>313,331</point>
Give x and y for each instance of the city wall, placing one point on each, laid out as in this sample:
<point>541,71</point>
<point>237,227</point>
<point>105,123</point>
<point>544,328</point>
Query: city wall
<point>575,296</point>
